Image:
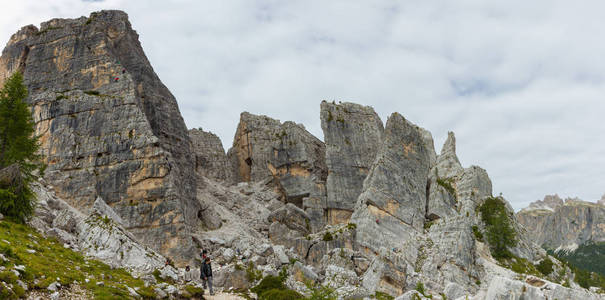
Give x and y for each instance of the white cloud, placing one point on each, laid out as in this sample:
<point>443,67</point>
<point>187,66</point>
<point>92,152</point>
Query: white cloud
<point>521,83</point>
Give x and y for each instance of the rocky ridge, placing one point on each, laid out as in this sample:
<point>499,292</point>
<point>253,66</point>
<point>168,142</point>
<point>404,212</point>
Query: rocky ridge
<point>108,127</point>
<point>564,225</point>
<point>373,210</point>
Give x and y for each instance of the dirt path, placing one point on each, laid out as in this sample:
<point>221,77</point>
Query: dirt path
<point>223,296</point>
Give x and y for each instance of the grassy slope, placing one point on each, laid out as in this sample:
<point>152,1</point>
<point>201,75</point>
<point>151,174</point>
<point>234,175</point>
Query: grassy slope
<point>52,262</point>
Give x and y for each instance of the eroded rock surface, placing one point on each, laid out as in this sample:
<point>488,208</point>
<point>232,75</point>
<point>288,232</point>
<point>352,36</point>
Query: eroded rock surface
<point>352,133</point>
<point>563,226</point>
<point>107,125</point>
<point>210,158</point>
<point>264,148</point>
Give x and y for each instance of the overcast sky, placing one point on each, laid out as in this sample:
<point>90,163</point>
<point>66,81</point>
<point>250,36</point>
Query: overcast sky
<point>521,83</point>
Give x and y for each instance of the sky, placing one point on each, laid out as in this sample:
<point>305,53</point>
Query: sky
<point>521,83</point>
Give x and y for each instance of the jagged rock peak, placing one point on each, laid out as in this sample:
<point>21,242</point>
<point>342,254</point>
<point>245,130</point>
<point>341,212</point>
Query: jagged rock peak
<point>392,204</point>
<point>448,164</point>
<point>108,126</point>
<point>563,224</point>
<point>265,148</point>
<point>550,202</point>
<point>352,133</point>
<point>210,158</point>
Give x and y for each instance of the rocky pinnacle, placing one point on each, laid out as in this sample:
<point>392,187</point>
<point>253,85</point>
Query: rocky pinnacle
<point>108,126</point>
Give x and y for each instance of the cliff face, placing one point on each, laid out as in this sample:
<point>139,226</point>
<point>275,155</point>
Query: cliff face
<point>210,158</point>
<point>264,148</point>
<point>108,125</point>
<point>352,133</point>
<point>555,224</point>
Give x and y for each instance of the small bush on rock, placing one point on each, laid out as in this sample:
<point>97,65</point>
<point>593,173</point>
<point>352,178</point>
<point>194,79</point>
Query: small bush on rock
<point>269,283</point>
<point>545,266</point>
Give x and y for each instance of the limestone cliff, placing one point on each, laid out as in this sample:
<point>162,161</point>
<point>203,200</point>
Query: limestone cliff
<point>107,124</point>
<point>555,224</point>
<point>352,133</point>
<point>210,158</point>
<point>264,148</point>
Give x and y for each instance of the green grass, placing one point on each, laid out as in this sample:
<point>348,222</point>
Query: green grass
<point>383,296</point>
<point>193,291</point>
<point>52,261</point>
<point>521,266</point>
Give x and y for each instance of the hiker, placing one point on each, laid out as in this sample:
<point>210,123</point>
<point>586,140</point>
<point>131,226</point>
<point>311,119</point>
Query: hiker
<point>206,274</point>
<point>204,252</point>
<point>116,79</point>
<point>188,276</point>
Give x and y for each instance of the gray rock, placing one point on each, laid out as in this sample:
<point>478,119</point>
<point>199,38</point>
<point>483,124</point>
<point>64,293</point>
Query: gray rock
<point>411,295</point>
<point>102,209</point>
<point>265,148</point>
<point>210,158</point>
<point>123,140</point>
<point>55,296</point>
<point>160,293</point>
<point>454,291</point>
<point>563,227</point>
<point>352,134</point>
<point>133,293</point>
<point>23,285</point>
<point>448,164</point>
<point>53,287</point>
<point>302,272</point>
<point>391,207</point>
<point>280,254</point>
<point>292,217</point>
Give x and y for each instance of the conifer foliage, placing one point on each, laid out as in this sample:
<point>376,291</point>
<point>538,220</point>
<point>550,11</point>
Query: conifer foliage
<point>19,161</point>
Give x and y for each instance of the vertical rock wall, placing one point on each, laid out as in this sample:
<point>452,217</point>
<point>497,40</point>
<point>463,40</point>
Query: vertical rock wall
<point>210,158</point>
<point>352,133</point>
<point>108,125</point>
<point>264,148</point>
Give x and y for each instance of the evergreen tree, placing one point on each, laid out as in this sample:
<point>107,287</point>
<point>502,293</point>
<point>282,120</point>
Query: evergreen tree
<point>18,146</point>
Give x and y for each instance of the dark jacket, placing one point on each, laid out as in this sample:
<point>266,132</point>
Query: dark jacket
<point>206,270</point>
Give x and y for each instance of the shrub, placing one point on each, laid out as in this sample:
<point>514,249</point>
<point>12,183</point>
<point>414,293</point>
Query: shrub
<point>92,93</point>
<point>328,237</point>
<point>320,292</point>
<point>420,288</point>
<point>269,283</point>
<point>499,231</point>
<point>252,273</point>
<point>545,266</point>
<point>477,233</point>
<point>195,292</point>
<point>446,183</point>
<point>383,296</point>
<point>275,294</point>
